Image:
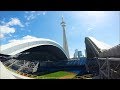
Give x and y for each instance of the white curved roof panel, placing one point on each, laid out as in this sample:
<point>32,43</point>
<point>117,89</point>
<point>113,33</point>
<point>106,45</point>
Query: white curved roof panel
<point>17,46</point>
<point>102,46</point>
<point>17,42</point>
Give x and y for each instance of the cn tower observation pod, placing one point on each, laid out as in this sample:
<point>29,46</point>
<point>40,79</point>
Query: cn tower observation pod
<point>35,49</point>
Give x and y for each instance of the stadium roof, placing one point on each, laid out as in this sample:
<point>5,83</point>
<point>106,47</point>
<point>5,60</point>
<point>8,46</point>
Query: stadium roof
<point>102,46</point>
<point>95,47</point>
<point>18,46</point>
<point>17,42</point>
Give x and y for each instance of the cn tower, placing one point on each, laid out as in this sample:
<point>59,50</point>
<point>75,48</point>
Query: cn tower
<point>65,45</point>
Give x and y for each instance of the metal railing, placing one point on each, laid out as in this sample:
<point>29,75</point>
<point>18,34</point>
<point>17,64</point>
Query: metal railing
<point>109,68</point>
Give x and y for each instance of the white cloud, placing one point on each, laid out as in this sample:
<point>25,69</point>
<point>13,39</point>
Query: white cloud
<point>14,21</point>
<point>28,37</point>
<point>7,28</point>
<point>30,15</point>
<point>1,35</point>
<point>14,40</point>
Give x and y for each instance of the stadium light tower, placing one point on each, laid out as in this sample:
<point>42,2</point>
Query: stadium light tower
<point>65,45</point>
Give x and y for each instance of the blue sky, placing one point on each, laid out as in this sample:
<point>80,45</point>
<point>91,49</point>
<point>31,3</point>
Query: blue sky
<point>102,25</point>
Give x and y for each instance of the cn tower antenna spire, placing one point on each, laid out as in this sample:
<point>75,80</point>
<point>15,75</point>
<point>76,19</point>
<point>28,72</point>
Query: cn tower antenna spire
<point>62,19</point>
<point>65,45</point>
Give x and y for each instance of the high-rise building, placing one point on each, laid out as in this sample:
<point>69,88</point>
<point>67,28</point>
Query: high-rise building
<point>78,54</point>
<point>65,45</point>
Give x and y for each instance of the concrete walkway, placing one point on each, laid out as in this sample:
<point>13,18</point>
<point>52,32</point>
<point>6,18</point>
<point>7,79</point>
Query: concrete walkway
<point>4,73</point>
<point>7,74</point>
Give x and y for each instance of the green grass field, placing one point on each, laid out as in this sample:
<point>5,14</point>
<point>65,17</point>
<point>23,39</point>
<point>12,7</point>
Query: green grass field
<point>57,75</point>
